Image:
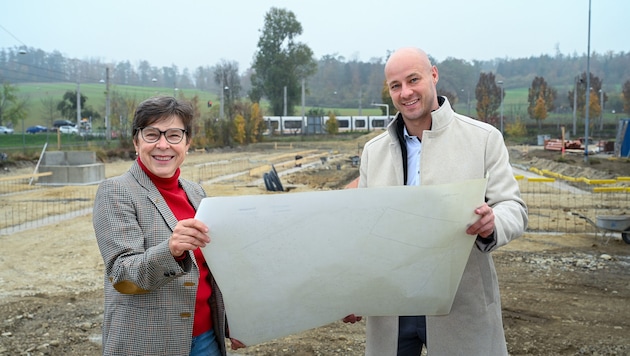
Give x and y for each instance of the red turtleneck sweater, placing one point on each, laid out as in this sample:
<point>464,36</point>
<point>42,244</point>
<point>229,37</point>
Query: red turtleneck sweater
<point>176,199</point>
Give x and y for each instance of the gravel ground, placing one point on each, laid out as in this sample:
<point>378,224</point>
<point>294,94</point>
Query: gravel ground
<point>561,294</point>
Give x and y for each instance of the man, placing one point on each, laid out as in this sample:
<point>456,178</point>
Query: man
<point>428,143</point>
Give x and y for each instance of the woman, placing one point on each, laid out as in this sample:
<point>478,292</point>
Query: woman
<point>160,296</point>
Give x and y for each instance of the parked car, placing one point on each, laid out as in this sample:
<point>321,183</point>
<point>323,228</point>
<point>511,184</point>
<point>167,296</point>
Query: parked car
<point>35,129</point>
<point>67,129</point>
<point>6,130</point>
<point>59,123</point>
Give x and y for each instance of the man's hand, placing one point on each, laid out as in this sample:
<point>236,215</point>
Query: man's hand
<point>352,319</point>
<point>236,344</point>
<point>485,225</point>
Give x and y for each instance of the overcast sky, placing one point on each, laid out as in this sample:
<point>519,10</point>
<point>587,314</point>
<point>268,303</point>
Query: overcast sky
<point>192,33</point>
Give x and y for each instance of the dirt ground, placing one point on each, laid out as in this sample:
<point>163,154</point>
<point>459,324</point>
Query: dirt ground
<point>561,294</point>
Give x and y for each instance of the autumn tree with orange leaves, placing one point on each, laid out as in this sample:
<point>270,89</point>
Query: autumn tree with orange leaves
<point>541,99</point>
<point>488,95</point>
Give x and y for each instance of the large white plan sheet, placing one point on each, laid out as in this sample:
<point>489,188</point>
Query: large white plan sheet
<point>291,262</point>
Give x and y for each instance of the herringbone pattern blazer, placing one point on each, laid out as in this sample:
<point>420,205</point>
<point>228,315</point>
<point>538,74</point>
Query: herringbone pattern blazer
<point>149,297</point>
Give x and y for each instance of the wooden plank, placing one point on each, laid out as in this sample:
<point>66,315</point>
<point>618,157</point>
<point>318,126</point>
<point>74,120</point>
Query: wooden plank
<point>25,176</point>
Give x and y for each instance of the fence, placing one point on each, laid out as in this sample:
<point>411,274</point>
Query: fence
<point>553,203</point>
<point>552,200</point>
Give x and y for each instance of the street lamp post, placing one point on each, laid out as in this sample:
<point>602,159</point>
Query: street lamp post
<point>588,84</point>
<point>221,108</point>
<point>467,100</point>
<point>386,113</point>
<point>500,82</point>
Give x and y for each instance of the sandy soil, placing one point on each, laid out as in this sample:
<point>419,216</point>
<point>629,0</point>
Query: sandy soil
<point>561,294</point>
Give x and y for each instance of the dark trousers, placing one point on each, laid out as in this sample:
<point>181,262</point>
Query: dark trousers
<point>412,335</point>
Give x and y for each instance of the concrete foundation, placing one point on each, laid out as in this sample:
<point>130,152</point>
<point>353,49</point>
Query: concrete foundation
<point>71,168</point>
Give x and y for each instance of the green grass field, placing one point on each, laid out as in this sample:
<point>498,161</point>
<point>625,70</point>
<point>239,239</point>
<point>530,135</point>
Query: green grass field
<point>514,106</point>
<point>96,97</point>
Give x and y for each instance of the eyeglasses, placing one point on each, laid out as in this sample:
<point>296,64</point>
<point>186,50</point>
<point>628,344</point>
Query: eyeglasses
<point>151,135</point>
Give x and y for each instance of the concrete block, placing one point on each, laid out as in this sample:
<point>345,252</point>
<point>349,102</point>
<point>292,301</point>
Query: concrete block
<point>53,158</point>
<point>77,158</point>
<point>71,168</point>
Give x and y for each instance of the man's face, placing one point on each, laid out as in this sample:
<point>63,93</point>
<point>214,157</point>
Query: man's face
<point>411,80</point>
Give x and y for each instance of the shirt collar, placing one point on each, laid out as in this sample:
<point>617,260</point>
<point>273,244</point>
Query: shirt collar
<point>406,133</point>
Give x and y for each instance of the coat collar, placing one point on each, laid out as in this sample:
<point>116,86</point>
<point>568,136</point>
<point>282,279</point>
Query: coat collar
<point>153,194</point>
<point>440,119</point>
<point>143,179</point>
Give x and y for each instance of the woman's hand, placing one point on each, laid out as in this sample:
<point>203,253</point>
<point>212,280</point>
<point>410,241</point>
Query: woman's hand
<point>188,235</point>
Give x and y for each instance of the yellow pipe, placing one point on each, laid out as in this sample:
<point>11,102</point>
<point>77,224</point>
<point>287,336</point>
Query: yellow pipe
<point>541,179</point>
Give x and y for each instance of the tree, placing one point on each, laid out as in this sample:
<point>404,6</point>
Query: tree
<point>68,105</point>
<point>12,109</point>
<point>456,76</point>
<point>49,109</point>
<point>516,129</point>
<point>594,108</point>
<point>452,97</point>
<point>540,94</point>
<point>539,113</point>
<point>332,125</point>
<point>387,99</point>
<point>596,86</point>
<point>122,109</point>
<point>488,95</point>
<point>255,124</point>
<point>227,79</point>
<point>281,62</point>
<point>252,124</point>
<point>238,134</point>
<point>625,94</point>
<point>196,122</point>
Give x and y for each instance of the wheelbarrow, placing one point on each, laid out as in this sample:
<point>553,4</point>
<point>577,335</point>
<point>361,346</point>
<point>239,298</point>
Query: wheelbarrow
<point>610,224</point>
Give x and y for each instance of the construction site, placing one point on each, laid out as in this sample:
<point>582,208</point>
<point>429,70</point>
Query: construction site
<point>564,283</point>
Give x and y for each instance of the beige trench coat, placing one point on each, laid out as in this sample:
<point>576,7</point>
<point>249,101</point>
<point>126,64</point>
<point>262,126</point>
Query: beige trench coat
<point>456,148</point>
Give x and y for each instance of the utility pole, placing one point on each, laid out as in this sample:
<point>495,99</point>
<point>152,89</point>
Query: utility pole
<point>575,84</point>
<point>360,101</point>
<point>108,129</point>
<point>221,112</point>
<point>601,108</point>
<point>500,82</point>
<point>303,104</point>
<point>284,111</point>
<point>78,104</point>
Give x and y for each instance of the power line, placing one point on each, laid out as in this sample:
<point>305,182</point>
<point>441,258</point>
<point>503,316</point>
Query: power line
<point>12,35</point>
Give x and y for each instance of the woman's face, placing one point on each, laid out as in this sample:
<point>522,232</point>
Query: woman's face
<point>162,158</point>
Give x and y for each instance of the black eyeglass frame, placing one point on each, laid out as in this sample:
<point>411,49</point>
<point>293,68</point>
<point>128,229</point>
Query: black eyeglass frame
<point>183,131</point>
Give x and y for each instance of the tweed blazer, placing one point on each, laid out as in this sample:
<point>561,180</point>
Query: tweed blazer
<point>149,296</point>
<point>456,148</point>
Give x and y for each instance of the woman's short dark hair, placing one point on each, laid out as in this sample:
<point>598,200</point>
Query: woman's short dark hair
<point>158,108</point>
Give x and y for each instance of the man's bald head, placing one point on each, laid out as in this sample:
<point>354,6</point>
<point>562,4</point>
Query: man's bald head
<point>408,53</point>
